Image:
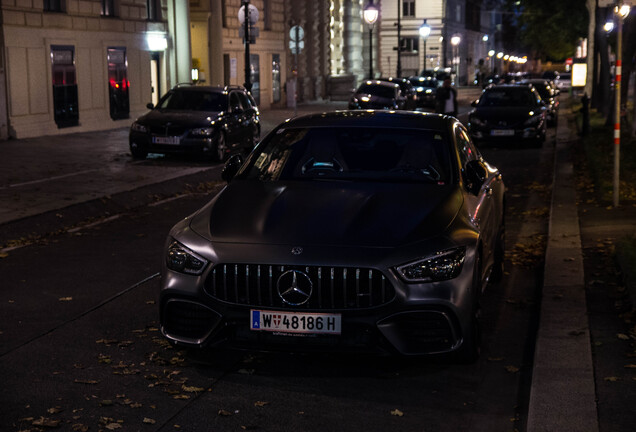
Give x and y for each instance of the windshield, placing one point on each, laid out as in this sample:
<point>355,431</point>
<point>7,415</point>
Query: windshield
<point>498,97</point>
<point>377,90</point>
<point>357,154</point>
<point>194,101</point>
<point>424,82</point>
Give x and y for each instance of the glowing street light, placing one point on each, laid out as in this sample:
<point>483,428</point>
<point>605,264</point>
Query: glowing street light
<point>455,41</point>
<point>425,32</point>
<point>370,17</point>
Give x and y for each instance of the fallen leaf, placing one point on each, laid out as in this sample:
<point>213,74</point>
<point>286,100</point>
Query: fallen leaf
<point>611,379</point>
<point>260,403</point>
<point>397,412</point>
<point>78,381</point>
<point>631,366</point>
<point>65,298</point>
<point>180,396</point>
<point>3,254</point>
<point>188,389</point>
<point>78,427</point>
<point>106,402</point>
<point>46,422</point>
<point>112,426</point>
<point>149,420</point>
<point>622,336</point>
<point>54,410</point>
<point>246,371</point>
<point>512,369</point>
<point>224,413</point>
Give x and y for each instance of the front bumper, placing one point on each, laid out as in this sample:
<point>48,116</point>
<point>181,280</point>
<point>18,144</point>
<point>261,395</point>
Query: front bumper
<point>186,144</point>
<point>415,319</point>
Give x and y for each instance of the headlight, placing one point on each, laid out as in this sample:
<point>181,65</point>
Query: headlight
<point>202,131</point>
<point>442,266</point>
<point>138,127</point>
<point>429,91</point>
<point>181,259</point>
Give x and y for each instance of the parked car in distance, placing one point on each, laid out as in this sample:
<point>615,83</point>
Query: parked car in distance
<point>376,94</point>
<point>548,95</point>
<point>425,88</point>
<point>210,121</point>
<point>510,114</point>
<point>564,81</point>
<point>407,89</point>
<point>368,231</point>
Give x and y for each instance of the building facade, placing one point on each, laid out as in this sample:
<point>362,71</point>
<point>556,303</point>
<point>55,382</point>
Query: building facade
<point>80,65</point>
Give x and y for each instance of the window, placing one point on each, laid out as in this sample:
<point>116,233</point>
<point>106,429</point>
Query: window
<point>108,8</point>
<point>410,45</point>
<point>153,8</point>
<point>408,8</point>
<point>267,14</point>
<point>458,13</point>
<point>54,6</point>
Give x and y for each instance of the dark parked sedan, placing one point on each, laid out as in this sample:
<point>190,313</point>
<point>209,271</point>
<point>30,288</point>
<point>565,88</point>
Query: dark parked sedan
<point>548,95</point>
<point>508,113</point>
<point>211,121</point>
<point>369,231</point>
<point>376,94</point>
<point>426,89</point>
<point>407,89</point>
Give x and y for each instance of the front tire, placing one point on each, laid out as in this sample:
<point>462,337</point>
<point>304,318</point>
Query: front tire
<point>138,151</point>
<point>220,153</point>
<point>470,349</point>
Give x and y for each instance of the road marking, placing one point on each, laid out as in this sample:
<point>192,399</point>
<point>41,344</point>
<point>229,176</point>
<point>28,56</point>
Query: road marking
<point>108,219</point>
<point>47,179</point>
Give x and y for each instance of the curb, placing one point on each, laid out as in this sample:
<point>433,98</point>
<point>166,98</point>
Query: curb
<point>563,393</point>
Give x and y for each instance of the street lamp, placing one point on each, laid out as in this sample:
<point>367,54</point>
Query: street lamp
<point>455,41</point>
<point>621,11</point>
<point>247,16</point>
<point>425,31</point>
<point>370,17</point>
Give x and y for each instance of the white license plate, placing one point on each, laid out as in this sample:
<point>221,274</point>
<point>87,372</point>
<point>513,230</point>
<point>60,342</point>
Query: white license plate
<point>502,132</point>
<point>174,140</point>
<point>295,322</point>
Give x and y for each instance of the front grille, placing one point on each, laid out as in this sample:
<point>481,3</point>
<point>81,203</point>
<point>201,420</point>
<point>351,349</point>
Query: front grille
<point>188,320</point>
<point>332,288</point>
<point>167,130</point>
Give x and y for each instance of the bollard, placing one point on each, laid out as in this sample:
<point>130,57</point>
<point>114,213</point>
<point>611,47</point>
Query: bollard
<point>585,111</point>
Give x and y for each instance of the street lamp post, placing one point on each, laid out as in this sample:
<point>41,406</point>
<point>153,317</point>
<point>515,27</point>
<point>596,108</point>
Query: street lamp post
<point>399,41</point>
<point>455,40</point>
<point>370,17</point>
<point>425,31</point>
<point>621,11</point>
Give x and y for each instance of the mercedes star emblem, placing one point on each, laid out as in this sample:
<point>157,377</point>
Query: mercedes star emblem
<point>297,250</point>
<point>294,287</point>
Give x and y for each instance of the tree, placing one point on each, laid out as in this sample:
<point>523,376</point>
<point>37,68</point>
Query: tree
<point>551,29</point>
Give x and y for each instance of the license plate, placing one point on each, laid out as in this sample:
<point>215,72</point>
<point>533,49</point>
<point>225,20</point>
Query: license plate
<point>295,322</point>
<point>502,132</point>
<point>166,140</point>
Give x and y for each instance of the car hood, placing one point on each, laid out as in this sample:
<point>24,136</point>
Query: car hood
<point>325,213</point>
<point>181,118</point>
<point>505,114</point>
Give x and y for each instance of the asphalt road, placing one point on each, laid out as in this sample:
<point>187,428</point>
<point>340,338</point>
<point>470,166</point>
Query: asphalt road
<point>80,348</point>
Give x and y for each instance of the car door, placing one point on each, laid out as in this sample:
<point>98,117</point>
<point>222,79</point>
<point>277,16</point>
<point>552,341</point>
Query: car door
<point>249,123</point>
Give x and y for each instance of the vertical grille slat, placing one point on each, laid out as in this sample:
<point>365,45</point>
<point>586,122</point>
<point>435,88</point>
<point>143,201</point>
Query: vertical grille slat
<point>333,288</point>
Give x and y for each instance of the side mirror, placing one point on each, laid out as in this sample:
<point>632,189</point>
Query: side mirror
<point>231,167</point>
<point>150,106</point>
<point>474,103</point>
<point>475,175</point>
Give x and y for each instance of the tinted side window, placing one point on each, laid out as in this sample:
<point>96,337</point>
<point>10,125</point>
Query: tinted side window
<point>234,101</point>
<point>244,101</point>
<point>465,147</point>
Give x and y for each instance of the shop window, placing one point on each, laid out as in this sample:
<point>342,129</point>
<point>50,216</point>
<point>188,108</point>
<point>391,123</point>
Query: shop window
<point>108,8</point>
<point>118,83</point>
<point>65,107</point>
<point>255,77</point>
<point>275,78</point>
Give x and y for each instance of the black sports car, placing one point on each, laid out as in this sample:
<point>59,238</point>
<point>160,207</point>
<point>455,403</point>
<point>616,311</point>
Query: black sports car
<point>370,231</point>
<point>210,121</point>
<point>508,113</point>
<point>376,94</point>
